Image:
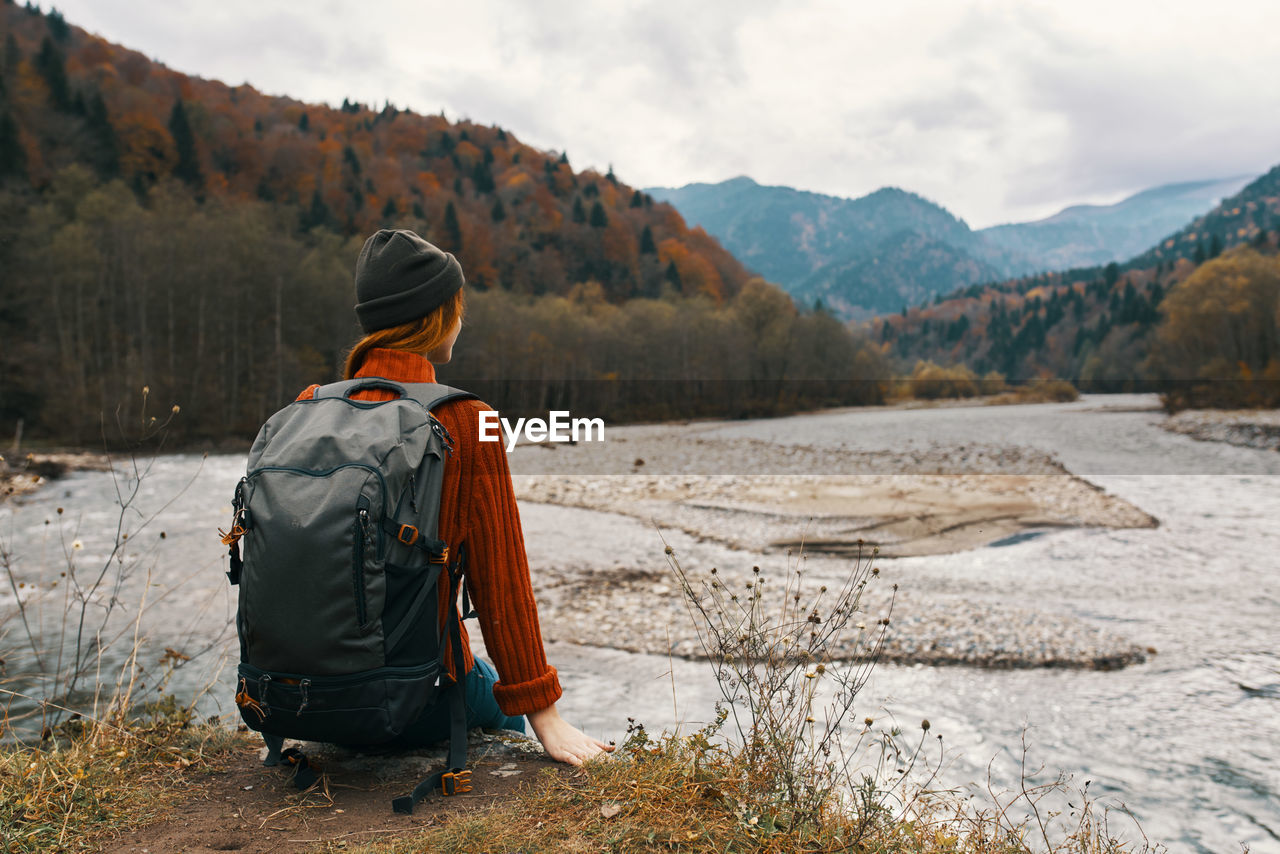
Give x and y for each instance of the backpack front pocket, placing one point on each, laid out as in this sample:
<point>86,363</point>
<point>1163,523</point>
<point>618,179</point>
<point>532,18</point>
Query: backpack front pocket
<point>312,587</point>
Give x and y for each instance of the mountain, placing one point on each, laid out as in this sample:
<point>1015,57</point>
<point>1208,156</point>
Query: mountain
<point>847,252</point>
<point>1099,324</point>
<point>891,248</point>
<point>1087,235</point>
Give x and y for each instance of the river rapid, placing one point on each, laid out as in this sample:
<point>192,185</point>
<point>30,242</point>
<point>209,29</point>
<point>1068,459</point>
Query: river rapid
<point>1189,740</point>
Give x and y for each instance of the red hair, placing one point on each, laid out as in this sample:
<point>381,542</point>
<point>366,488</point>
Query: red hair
<point>417,336</point>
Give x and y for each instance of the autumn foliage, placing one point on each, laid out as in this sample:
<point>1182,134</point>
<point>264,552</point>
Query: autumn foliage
<point>195,239</point>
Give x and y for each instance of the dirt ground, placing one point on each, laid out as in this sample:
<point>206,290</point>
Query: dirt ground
<point>242,806</point>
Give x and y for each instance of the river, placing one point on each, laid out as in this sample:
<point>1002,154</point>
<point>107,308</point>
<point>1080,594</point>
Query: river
<point>1189,741</point>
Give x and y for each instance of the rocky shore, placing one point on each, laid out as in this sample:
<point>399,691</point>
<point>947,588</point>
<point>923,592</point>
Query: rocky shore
<point>21,474</point>
<point>1250,428</point>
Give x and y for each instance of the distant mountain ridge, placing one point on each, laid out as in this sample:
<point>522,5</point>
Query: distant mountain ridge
<point>892,248</point>
<point>1086,235</point>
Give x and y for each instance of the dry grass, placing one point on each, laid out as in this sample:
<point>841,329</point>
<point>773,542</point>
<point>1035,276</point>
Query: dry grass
<point>685,794</point>
<point>1039,391</point>
<point>90,778</point>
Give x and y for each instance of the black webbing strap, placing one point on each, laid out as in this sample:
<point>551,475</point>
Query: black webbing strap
<point>467,611</point>
<point>456,779</point>
<point>236,564</point>
<point>304,776</point>
<point>407,534</point>
<point>275,745</point>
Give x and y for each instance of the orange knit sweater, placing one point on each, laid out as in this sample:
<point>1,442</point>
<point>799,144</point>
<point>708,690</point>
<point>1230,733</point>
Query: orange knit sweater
<point>478,509</point>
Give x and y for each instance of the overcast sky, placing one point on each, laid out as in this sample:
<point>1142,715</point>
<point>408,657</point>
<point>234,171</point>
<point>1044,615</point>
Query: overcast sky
<point>1002,110</point>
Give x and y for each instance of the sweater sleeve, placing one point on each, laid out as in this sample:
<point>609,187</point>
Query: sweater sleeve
<point>500,586</point>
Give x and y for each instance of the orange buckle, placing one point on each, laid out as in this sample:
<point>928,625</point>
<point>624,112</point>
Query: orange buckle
<point>407,535</point>
<point>455,782</point>
<point>444,556</point>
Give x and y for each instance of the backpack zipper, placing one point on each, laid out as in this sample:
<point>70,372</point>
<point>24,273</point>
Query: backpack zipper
<point>362,535</point>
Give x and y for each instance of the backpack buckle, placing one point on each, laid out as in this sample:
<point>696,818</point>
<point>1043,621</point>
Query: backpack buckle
<point>442,558</point>
<point>455,782</point>
<point>407,535</point>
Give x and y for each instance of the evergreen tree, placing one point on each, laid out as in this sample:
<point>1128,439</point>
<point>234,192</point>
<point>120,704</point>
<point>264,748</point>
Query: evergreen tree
<point>482,178</point>
<point>389,210</point>
<point>53,69</point>
<point>1112,274</point>
<point>1215,246</point>
<point>610,177</point>
<point>498,213</point>
<point>647,246</point>
<point>12,54</point>
<point>318,214</point>
<point>188,168</point>
<point>58,26</point>
<point>107,156</point>
<point>579,213</point>
<point>564,158</point>
<point>502,135</point>
<point>352,160</point>
<point>304,123</point>
<point>599,219</point>
<point>1199,256</point>
<point>673,276</point>
<point>418,212</point>
<point>637,199</point>
<point>13,158</point>
<point>452,228</point>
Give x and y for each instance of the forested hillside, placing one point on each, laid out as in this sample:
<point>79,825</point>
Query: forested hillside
<point>1202,305</point>
<point>197,239</point>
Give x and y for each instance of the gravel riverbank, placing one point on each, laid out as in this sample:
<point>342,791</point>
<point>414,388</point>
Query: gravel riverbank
<point>1250,428</point>
<point>739,502</point>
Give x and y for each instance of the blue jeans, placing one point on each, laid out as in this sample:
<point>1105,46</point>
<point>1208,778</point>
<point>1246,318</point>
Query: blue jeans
<point>482,711</point>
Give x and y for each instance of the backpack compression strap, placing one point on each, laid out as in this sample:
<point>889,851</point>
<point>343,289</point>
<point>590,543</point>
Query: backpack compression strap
<point>455,779</point>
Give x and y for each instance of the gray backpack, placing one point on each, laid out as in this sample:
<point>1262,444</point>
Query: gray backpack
<point>338,623</point>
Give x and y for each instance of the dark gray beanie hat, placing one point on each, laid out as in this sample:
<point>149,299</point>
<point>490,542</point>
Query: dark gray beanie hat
<point>401,277</point>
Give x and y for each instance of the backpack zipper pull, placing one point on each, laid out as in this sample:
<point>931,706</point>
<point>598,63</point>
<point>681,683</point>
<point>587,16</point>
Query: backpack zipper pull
<point>438,429</point>
<point>304,685</point>
<point>413,493</point>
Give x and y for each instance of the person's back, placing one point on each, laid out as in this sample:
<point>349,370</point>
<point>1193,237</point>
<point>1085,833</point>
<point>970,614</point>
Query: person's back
<point>410,306</point>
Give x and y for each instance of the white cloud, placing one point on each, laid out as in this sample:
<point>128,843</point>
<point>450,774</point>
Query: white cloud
<point>1000,110</point>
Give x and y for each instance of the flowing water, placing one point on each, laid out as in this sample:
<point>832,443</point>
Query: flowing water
<point>1189,741</point>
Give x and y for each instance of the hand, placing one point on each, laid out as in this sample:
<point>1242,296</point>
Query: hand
<point>563,741</point>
